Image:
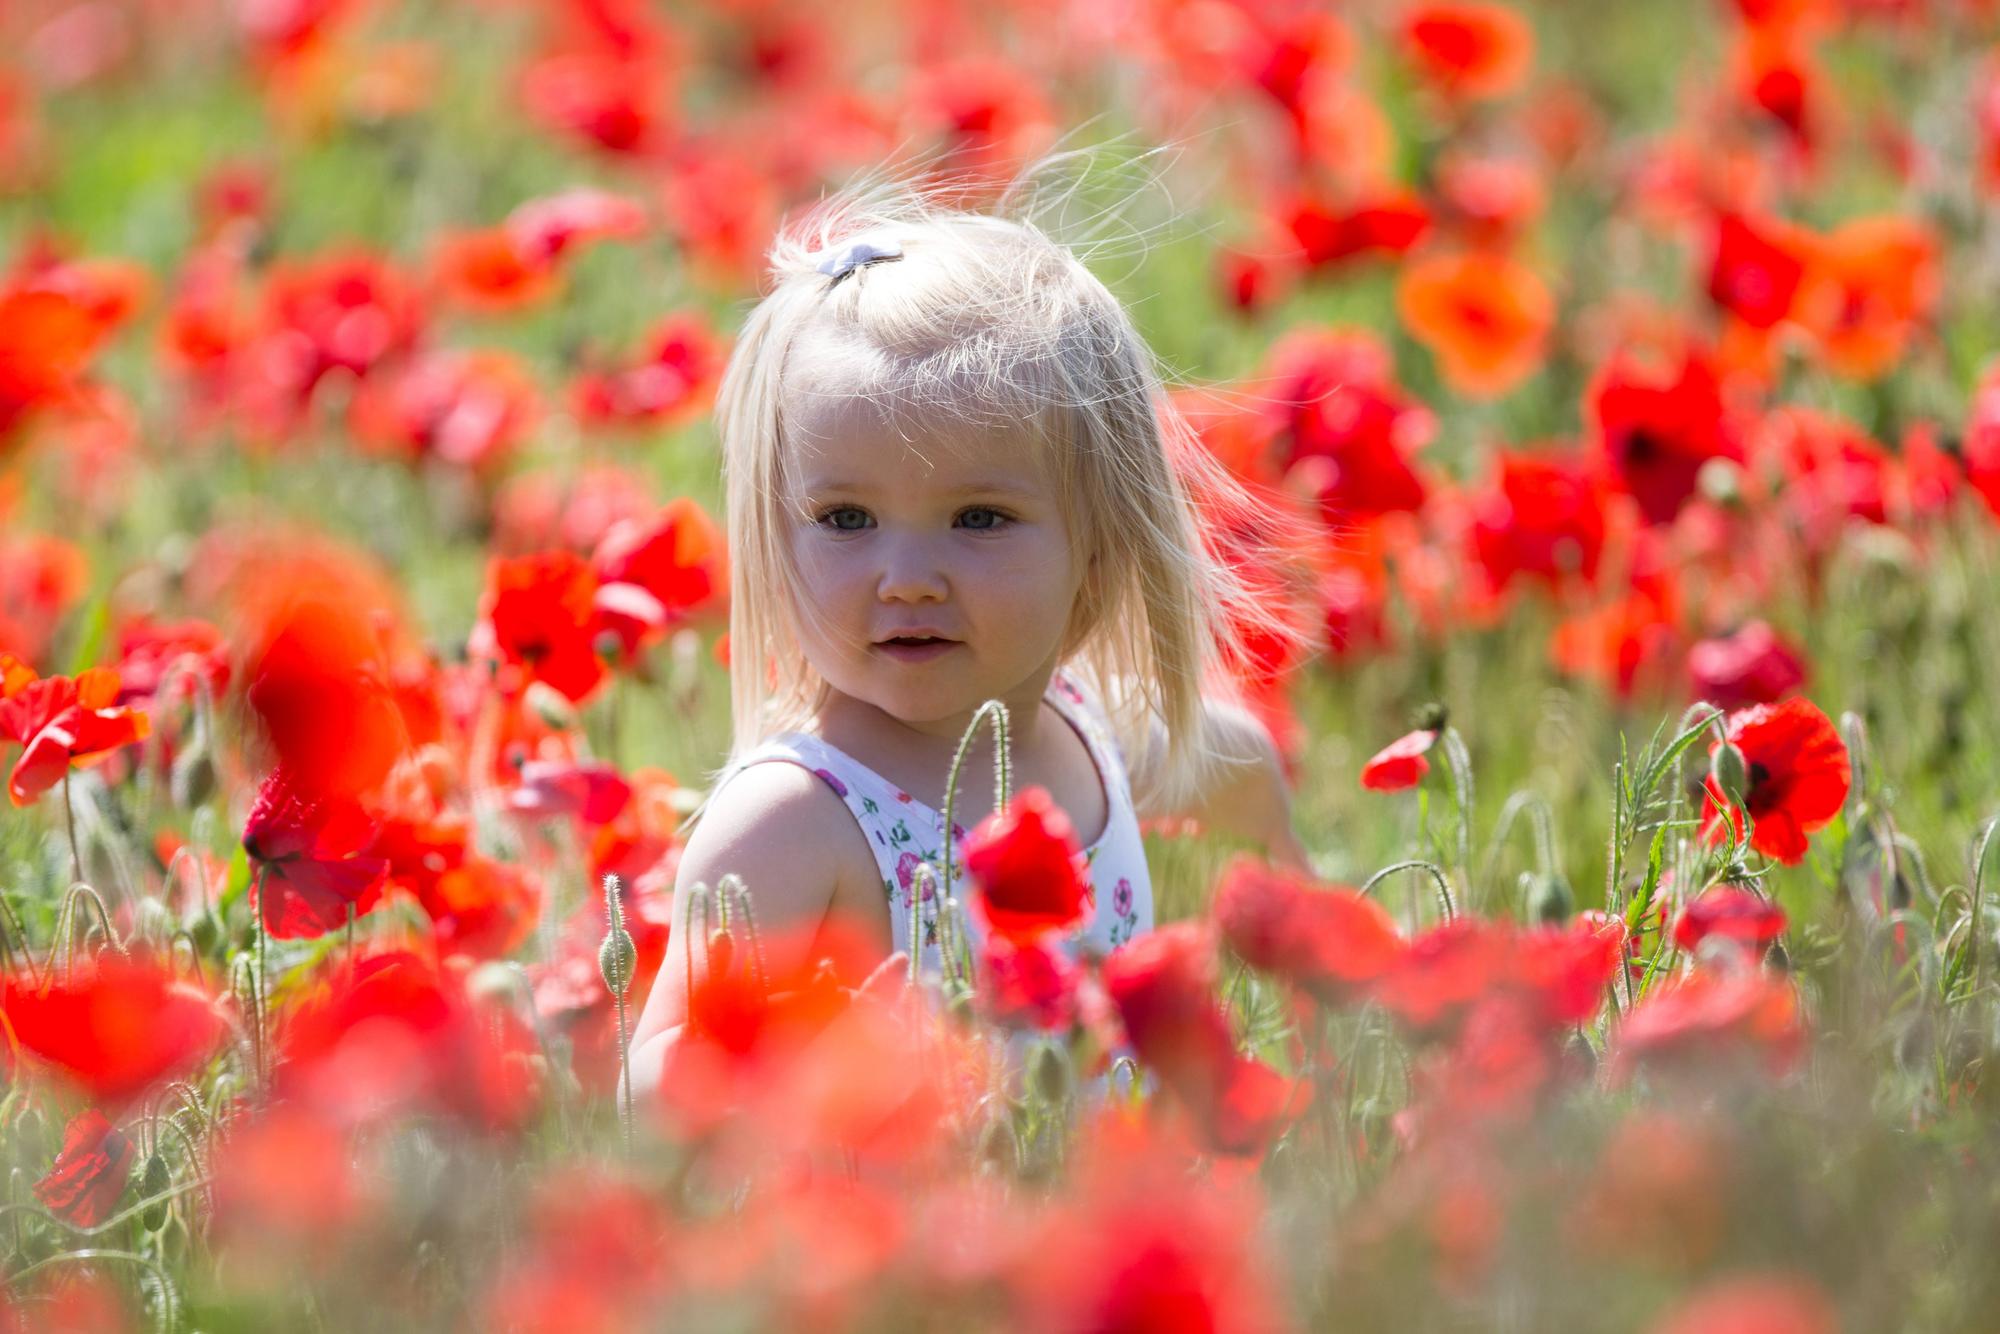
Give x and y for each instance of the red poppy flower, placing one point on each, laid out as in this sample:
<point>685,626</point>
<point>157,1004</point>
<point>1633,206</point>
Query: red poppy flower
<point>1484,316</point>
<point>482,908</point>
<point>593,792</point>
<point>1565,970</point>
<point>539,620</point>
<point>1028,985</point>
<point>486,270</point>
<point>308,846</point>
<point>1658,431</point>
<point>347,310</point>
<point>1345,430</point>
<point>1471,51</point>
<point>148,650</point>
<point>1388,223</point>
<point>1755,1303</point>
<point>1028,870</point>
<point>1982,439</point>
<point>553,226</point>
<point>1710,1018</point>
<point>393,1034</point>
<point>59,722</point>
<point>1444,973</point>
<point>1401,763</point>
<point>600,96</point>
<point>1751,666</point>
<point>1757,268</point>
<point>1798,776</point>
<point>1331,941</point>
<point>1871,285</point>
<point>116,1027</point>
<point>671,381</point>
<point>1164,986</point>
<point>676,562</point>
<point>47,339</point>
<point>1542,516</point>
<point>1731,913</point>
<point>319,627</point>
<point>82,1187</point>
<point>467,409</point>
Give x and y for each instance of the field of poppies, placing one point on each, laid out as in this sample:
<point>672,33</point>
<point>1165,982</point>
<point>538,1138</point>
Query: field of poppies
<point>363,610</point>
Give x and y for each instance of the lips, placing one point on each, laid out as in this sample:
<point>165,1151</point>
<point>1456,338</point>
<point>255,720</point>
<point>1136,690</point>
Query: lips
<point>915,646</point>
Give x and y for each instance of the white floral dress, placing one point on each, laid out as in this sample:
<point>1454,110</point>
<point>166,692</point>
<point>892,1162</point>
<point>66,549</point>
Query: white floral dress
<point>904,833</point>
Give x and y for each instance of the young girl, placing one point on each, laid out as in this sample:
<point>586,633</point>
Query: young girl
<point>953,477</point>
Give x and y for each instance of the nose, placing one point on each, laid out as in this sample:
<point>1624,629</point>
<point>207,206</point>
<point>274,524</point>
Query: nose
<point>910,573</point>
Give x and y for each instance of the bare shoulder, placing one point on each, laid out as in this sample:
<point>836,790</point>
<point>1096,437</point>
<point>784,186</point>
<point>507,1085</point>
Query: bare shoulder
<point>790,838</point>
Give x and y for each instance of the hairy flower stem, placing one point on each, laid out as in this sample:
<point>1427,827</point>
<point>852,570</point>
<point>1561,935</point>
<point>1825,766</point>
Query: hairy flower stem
<point>69,816</point>
<point>1460,761</point>
<point>995,712</point>
<point>1982,841</point>
<point>616,960</point>
<point>1446,904</point>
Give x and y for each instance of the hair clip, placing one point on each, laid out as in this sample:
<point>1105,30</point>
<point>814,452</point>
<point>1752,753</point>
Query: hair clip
<point>854,256</point>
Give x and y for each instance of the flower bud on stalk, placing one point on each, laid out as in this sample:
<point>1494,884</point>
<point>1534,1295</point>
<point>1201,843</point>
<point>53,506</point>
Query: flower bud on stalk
<point>1730,772</point>
<point>153,1184</point>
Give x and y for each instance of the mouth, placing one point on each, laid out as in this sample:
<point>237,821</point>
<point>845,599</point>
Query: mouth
<point>916,648</point>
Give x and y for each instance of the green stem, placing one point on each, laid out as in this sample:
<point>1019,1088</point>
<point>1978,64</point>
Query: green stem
<point>995,712</point>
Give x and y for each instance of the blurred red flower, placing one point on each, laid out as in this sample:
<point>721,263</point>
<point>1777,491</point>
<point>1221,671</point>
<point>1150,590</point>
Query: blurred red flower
<point>1387,223</point>
<point>59,722</point>
<point>1329,940</point>
<point>467,409</point>
<point>1656,431</point>
<point>1345,431</point>
<point>1484,316</point>
<point>1164,986</point>
<point>482,908</point>
<point>82,1187</point>
<point>1757,268</point>
<point>652,576</point>
<point>1470,51</point>
<point>1798,774</point>
<point>1750,666</point>
<point>1027,868</point>
<point>1543,516</point>
<point>1030,985</point>
<point>1872,284</point>
<point>393,1034</point>
<point>115,1027</point>
<point>1752,1303</point>
<point>1400,764</point>
<point>319,627</point>
<point>1706,1020</point>
<point>538,620</point>
<point>1731,913</point>
<point>672,380</point>
<point>308,848</point>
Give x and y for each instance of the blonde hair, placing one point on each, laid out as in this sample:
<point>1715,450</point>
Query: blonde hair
<point>984,319</point>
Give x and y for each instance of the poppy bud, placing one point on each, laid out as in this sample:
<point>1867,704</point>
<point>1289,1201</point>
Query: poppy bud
<point>1548,897</point>
<point>153,1184</point>
<point>616,959</point>
<point>1048,1073</point>
<point>721,952</point>
<point>192,778</point>
<point>548,704</point>
<point>1730,772</point>
<point>1721,481</point>
<point>997,1147</point>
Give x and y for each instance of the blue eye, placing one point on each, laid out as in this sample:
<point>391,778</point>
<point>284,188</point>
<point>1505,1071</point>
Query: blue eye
<point>845,519</point>
<point>983,518</point>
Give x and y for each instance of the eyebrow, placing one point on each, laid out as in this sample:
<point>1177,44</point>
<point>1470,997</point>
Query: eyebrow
<point>814,486</point>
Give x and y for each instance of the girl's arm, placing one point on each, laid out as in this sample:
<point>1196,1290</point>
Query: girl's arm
<point>784,832</point>
<point>1248,799</point>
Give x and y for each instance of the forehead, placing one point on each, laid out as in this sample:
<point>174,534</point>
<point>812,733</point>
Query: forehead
<point>851,414</point>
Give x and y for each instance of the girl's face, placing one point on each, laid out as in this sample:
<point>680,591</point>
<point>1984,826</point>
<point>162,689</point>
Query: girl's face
<point>937,570</point>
